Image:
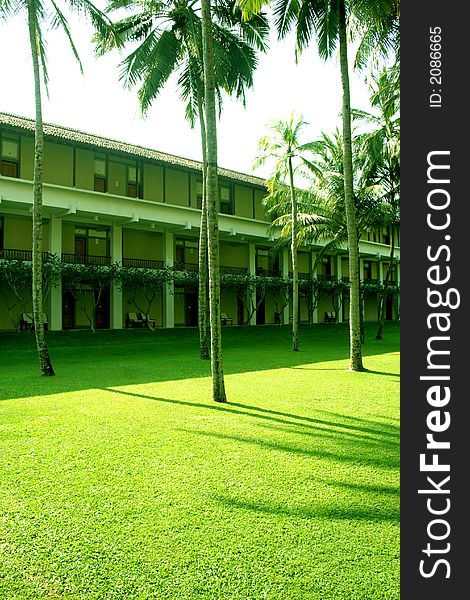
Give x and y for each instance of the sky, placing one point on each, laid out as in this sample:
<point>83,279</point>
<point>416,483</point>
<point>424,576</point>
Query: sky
<point>96,101</point>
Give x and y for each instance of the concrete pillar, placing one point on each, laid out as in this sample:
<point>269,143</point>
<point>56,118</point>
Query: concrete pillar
<point>116,291</point>
<point>339,276</point>
<point>314,274</point>
<point>380,271</point>
<point>252,271</point>
<point>361,269</point>
<point>285,257</point>
<point>168,293</point>
<point>55,247</point>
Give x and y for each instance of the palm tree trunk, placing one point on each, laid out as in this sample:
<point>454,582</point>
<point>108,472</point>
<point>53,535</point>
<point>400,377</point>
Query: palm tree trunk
<point>355,353</point>
<point>295,274</point>
<point>202,258</point>
<point>380,328</point>
<point>43,354</point>
<point>212,185</point>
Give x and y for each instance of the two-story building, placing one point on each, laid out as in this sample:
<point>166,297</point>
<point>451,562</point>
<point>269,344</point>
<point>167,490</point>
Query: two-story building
<point>107,202</point>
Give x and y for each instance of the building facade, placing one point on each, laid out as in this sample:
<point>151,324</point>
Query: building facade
<point>107,204</point>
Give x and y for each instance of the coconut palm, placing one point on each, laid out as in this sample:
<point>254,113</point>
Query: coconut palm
<point>284,148</point>
<point>381,150</point>
<point>328,20</point>
<point>170,40</point>
<point>321,215</point>
<point>37,13</point>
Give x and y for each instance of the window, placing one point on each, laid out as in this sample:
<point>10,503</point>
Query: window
<point>100,175</point>
<point>186,255</point>
<point>134,186</point>
<point>9,157</point>
<point>199,194</point>
<point>367,270</point>
<point>225,201</point>
<point>326,266</point>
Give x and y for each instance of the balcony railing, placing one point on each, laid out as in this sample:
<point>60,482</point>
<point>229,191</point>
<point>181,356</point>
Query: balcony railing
<point>326,277</point>
<point>301,275</point>
<point>179,266</point>
<point>268,272</point>
<point>142,263</point>
<point>233,270</point>
<point>83,259</point>
<point>12,254</point>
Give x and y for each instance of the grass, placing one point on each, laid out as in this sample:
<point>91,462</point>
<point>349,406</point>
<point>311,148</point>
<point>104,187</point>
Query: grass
<point>122,480</point>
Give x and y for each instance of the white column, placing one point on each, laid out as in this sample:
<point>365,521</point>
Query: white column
<point>285,273</point>
<point>252,271</point>
<point>168,294</point>
<point>116,291</point>
<point>339,276</point>
<point>314,274</point>
<point>380,271</point>
<point>55,247</point>
<point>361,269</point>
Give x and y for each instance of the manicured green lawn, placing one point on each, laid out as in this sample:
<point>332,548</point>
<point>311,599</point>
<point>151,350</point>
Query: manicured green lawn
<point>122,480</point>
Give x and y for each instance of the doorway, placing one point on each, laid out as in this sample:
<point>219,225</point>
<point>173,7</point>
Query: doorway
<point>191,308</point>
<point>261,312</point>
<point>102,314</point>
<point>68,311</point>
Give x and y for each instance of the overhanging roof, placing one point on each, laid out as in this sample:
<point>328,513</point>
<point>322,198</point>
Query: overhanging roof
<point>60,132</point>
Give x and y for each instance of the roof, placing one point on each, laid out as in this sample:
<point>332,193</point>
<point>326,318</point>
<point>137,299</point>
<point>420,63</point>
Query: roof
<point>60,132</point>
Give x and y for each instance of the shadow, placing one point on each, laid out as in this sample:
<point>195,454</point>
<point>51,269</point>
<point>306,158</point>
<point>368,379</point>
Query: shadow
<point>354,457</point>
<point>327,428</point>
<point>138,356</point>
<point>386,490</point>
<point>344,512</point>
<point>390,431</point>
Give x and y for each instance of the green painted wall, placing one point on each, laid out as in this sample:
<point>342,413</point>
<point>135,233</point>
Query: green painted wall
<point>85,169</point>
<point>243,201</point>
<point>153,183</point>
<point>194,178</point>
<point>233,254</point>
<point>117,178</point>
<point>17,233</point>
<point>176,187</point>
<point>259,209</point>
<point>142,244</point>
<point>58,164</point>
<point>68,237</point>
<point>26,157</point>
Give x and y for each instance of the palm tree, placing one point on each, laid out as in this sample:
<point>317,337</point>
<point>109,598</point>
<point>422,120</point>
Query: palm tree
<point>328,19</point>
<point>381,150</point>
<point>170,36</point>
<point>321,215</point>
<point>212,189</point>
<point>36,15</point>
<point>284,148</point>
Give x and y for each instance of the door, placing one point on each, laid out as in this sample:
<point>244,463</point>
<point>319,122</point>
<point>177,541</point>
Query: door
<point>389,308</point>
<point>102,310</point>
<point>68,311</point>
<point>240,312</point>
<point>80,250</point>
<point>191,305</point>
<point>261,312</point>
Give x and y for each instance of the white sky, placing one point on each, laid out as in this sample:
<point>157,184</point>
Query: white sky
<point>97,103</point>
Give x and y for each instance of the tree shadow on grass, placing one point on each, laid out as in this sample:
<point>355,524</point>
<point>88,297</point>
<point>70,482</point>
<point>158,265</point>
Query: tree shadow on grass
<point>347,512</point>
<point>362,425</point>
<point>351,452</point>
<point>312,426</point>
